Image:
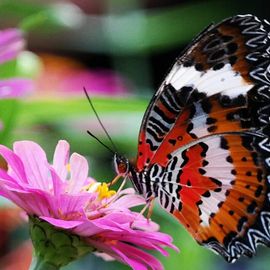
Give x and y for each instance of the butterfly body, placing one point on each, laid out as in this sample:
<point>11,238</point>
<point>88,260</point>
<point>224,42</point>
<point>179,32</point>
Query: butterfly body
<point>204,147</point>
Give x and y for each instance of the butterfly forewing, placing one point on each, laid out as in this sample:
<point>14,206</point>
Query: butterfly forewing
<point>204,141</point>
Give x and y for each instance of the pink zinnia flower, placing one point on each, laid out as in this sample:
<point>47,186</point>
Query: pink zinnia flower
<point>11,44</point>
<point>64,196</point>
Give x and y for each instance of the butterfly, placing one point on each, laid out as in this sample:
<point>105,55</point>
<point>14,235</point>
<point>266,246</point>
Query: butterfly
<point>204,146</point>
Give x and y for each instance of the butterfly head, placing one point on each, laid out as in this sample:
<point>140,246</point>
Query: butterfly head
<point>121,164</point>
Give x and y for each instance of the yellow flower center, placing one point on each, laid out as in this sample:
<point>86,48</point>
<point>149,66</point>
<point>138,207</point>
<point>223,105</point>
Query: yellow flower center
<point>104,192</point>
<point>102,189</point>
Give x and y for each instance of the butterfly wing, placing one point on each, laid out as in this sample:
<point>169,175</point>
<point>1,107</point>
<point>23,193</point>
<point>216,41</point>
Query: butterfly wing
<point>227,66</point>
<point>204,141</point>
<point>218,189</point>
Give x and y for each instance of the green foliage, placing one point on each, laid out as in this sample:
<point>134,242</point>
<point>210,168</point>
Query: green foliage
<point>8,111</point>
<point>32,16</point>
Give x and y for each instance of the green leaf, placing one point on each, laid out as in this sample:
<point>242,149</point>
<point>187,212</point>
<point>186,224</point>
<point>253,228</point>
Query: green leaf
<point>37,112</point>
<point>35,16</point>
<point>8,111</point>
<point>8,69</point>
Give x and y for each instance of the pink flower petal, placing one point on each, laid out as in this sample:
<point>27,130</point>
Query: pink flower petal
<point>60,159</point>
<point>127,191</point>
<point>60,223</point>
<point>35,163</point>
<point>87,229</point>
<point>116,220</point>
<point>15,198</point>
<point>145,225</point>
<point>141,258</point>
<point>78,173</point>
<point>57,183</point>
<point>143,240</point>
<point>68,206</point>
<point>32,203</point>
<point>4,176</point>
<point>128,201</point>
<point>11,43</point>
<point>14,163</point>
<point>15,88</point>
<point>134,264</point>
<point>96,226</point>
<point>104,247</point>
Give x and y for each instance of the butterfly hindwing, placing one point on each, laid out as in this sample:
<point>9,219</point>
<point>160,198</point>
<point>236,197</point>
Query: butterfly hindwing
<point>204,146</point>
<point>219,190</point>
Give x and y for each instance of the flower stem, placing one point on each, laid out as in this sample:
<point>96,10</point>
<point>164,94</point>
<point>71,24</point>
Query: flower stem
<point>39,264</point>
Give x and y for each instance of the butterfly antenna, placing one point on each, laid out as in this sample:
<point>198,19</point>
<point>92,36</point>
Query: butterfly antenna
<point>101,124</point>
<point>92,135</point>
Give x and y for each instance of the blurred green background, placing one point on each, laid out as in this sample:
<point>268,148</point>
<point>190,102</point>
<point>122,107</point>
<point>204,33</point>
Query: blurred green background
<point>120,50</point>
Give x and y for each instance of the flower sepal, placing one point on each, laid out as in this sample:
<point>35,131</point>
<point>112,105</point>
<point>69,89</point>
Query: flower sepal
<point>53,247</point>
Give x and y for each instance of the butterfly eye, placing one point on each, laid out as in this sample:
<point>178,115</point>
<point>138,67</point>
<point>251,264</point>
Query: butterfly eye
<point>122,168</point>
<point>121,165</point>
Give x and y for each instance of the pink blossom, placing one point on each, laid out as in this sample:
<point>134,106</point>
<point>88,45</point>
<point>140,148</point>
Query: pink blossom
<point>11,44</point>
<point>15,88</point>
<point>65,77</point>
<point>63,195</point>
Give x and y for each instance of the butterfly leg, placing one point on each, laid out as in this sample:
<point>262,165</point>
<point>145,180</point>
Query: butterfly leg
<point>149,205</point>
<point>115,180</point>
<point>119,190</point>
